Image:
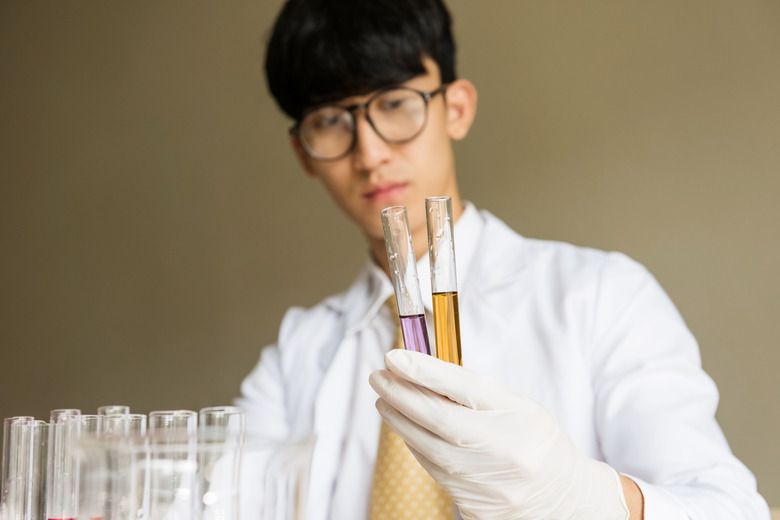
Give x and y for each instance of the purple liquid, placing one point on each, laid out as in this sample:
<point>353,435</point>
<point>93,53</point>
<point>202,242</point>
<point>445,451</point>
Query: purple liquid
<point>415,333</point>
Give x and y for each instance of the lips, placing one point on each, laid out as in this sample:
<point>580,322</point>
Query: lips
<point>384,192</point>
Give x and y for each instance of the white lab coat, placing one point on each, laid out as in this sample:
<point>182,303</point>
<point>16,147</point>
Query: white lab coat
<point>588,334</point>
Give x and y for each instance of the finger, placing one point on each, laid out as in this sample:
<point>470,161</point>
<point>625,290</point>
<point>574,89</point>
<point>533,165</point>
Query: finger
<point>454,478</point>
<point>445,418</point>
<point>433,452</point>
<point>455,382</point>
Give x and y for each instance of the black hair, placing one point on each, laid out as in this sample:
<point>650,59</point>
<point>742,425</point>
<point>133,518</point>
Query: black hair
<point>325,50</point>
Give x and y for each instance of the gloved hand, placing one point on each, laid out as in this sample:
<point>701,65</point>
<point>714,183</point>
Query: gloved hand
<point>500,455</point>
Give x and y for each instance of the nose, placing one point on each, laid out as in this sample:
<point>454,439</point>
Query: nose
<point>370,149</point>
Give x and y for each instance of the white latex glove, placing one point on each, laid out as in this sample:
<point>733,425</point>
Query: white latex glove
<point>500,455</point>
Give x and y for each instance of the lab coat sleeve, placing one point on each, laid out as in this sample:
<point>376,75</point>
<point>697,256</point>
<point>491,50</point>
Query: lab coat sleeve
<point>264,392</point>
<point>262,396</point>
<point>655,406</point>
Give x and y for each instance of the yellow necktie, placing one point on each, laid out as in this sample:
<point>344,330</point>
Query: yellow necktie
<point>402,489</point>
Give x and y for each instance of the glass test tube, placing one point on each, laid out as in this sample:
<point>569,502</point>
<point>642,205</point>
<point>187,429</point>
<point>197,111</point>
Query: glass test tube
<point>173,465</point>
<point>221,436</point>
<point>92,485</point>
<point>124,424</point>
<point>403,271</point>
<point>23,497</point>
<point>39,460</point>
<point>7,447</point>
<point>15,502</point>
<point>444,284</point>
<point>62,473</point>
<point>113,409</point>
<point>125,465</point>
<point>91,425</point>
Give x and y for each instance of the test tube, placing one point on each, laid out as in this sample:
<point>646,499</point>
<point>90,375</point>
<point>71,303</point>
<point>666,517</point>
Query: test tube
<point>15,504</point>
<point>113,409</point>
<point>7,447</point>
<point>403,271</point>
<point>23,497</point>
<point>103,471</point>
<point>136,424</point>
<point>127,464</point>
<point>93,484</point>
<point>124,424</point>
<point>221,436</point>
<point>39,460</point>
<point>20,480</point>
<point>62,471</point>
<point>95,472</point>
<point>173,465</point>
<point>444,284</point>
<point>173,426</point>
<point>91,425</point>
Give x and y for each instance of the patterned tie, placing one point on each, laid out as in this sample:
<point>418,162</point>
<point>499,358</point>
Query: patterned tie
<point>402,489</point>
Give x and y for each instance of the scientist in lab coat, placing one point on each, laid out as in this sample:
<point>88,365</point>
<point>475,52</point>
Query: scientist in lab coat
<point>582,394</point>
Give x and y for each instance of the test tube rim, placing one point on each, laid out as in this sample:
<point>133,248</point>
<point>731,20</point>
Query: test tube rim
<point>101,409</point>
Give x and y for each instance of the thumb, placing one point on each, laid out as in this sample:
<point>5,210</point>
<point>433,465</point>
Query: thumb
<point>452,381</point>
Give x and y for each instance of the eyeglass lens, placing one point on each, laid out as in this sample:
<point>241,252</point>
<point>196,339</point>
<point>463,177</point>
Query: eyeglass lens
<point>397,115</point>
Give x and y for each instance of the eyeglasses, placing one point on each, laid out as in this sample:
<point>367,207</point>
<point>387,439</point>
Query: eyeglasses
<point>397,115</point>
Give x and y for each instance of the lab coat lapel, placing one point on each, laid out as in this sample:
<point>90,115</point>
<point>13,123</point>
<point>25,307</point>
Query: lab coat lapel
<point>492,289</point>
<point>332,407</point>
<point>330,421</point>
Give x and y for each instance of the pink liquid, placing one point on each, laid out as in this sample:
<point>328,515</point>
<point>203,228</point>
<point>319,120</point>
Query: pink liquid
<point>415,333</point>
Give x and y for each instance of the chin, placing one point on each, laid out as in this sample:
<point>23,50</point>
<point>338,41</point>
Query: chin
<point>371,226</point>
<point>416,215</point>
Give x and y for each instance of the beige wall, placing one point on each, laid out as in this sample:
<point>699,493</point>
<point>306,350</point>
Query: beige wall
<point>154,226</point>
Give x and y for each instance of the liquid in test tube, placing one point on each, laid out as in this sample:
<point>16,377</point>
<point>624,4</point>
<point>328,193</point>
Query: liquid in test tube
<point>403,271</point>
<point>444,284</point>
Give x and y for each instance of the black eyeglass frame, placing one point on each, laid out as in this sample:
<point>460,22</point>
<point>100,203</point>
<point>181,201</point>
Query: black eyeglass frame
<point>425,95</point>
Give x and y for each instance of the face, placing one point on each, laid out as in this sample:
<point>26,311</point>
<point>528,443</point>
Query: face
<point>377,174</point>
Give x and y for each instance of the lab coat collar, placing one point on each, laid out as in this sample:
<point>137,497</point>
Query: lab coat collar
<point>365,297</point>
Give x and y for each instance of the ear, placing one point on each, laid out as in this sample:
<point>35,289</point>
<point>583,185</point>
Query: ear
<point>303,157</point>
<point>461,98</point>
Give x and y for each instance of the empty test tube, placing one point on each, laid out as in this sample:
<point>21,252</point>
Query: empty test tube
<point>113,409</point>
<point>39,460</point>
<point>7,422</point>
<point>125,461</point>
<point>16,499</point>
<point>221,437</point>
<point>173,465</point>
<point>62,474</point>
<point>124,424</point>
<point>91,425</point>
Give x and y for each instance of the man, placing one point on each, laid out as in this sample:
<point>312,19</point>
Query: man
<point>581,394</point>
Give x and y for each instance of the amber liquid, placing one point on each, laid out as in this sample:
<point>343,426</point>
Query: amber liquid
<point>446,326</point>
